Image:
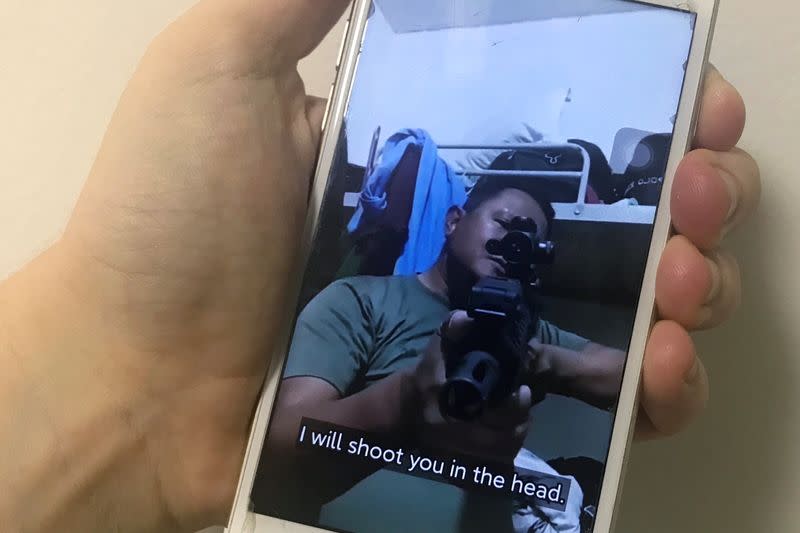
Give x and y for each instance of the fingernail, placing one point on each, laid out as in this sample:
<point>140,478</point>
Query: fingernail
<point>716,280</point>
<point>693,374</point>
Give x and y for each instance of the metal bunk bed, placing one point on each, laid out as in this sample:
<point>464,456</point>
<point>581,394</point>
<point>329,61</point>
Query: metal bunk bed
<point>622,212</point>
<point>582,175</point>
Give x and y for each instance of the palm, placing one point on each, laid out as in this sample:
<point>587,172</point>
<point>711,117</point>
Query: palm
<point>197,234</point>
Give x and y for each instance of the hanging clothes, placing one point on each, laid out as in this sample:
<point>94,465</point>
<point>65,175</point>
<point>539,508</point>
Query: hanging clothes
<point>376,246</point>
<point>437,189</point>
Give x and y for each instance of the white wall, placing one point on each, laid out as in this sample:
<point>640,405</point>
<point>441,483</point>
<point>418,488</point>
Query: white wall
<point>438,80</point>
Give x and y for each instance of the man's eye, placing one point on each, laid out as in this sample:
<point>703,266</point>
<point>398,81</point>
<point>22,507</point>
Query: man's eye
<point>504,223</point>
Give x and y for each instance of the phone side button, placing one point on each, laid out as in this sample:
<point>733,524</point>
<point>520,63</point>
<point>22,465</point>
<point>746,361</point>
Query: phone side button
<point>327,108</point>
<point>342,44</point>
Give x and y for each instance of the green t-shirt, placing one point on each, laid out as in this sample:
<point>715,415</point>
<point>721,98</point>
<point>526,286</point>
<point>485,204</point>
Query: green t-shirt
<point>353,334</point>
<point>360,330</point>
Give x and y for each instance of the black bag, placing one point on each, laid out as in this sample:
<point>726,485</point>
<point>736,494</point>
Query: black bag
<point>563,160</point>
<point>643,180</point>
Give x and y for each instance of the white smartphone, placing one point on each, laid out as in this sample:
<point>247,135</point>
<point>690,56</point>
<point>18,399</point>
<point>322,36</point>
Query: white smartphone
<point>490,202</point>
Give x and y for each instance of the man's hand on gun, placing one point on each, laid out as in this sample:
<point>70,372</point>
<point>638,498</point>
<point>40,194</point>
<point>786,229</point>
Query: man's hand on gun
<point>497,435</point>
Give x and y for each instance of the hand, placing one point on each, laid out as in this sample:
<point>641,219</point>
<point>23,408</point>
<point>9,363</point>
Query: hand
<point>717,187</point>
<point>171,276</point>
<point>498,435</point>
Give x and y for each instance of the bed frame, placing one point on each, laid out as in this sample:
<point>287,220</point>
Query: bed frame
<point>622,212</point>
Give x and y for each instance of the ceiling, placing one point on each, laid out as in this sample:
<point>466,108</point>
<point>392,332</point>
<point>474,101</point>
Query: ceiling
<point>404,16</point>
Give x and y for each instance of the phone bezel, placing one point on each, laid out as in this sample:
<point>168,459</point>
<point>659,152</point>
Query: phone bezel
<point>242,519</point>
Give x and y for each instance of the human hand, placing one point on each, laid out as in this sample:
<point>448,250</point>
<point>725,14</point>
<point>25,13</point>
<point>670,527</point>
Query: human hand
<point>716,188</point>
<point>171,277</point>
<point>497,434</point>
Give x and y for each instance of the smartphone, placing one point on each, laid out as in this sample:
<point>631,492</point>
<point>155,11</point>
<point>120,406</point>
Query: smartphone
<point>464,345</point>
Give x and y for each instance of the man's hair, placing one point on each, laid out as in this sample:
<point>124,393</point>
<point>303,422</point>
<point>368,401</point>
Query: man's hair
<point>541,190</point>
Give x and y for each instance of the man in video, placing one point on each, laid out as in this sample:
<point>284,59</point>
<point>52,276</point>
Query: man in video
<point>366,354</point>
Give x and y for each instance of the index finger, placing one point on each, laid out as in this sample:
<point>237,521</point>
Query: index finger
<point>722,114</point>
<point>456,327</point>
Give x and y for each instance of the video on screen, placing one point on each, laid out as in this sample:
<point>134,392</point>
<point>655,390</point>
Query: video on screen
<point>465,315</point>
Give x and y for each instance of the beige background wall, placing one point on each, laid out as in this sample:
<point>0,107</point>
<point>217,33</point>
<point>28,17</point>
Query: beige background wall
<point>63,65</point>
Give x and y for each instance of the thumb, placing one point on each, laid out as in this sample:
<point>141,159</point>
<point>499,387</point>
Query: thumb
<point>279,30</point>
<point>307,22</point>
<point>522,400</point>
<point>457,326</point>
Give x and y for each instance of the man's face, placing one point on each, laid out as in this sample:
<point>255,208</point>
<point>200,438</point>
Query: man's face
<point>468,233</point>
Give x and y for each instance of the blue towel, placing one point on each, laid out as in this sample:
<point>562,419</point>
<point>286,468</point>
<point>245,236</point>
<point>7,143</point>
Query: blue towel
<point>438,189</point>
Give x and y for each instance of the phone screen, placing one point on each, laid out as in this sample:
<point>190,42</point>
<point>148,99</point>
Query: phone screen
<point>469,301</point>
